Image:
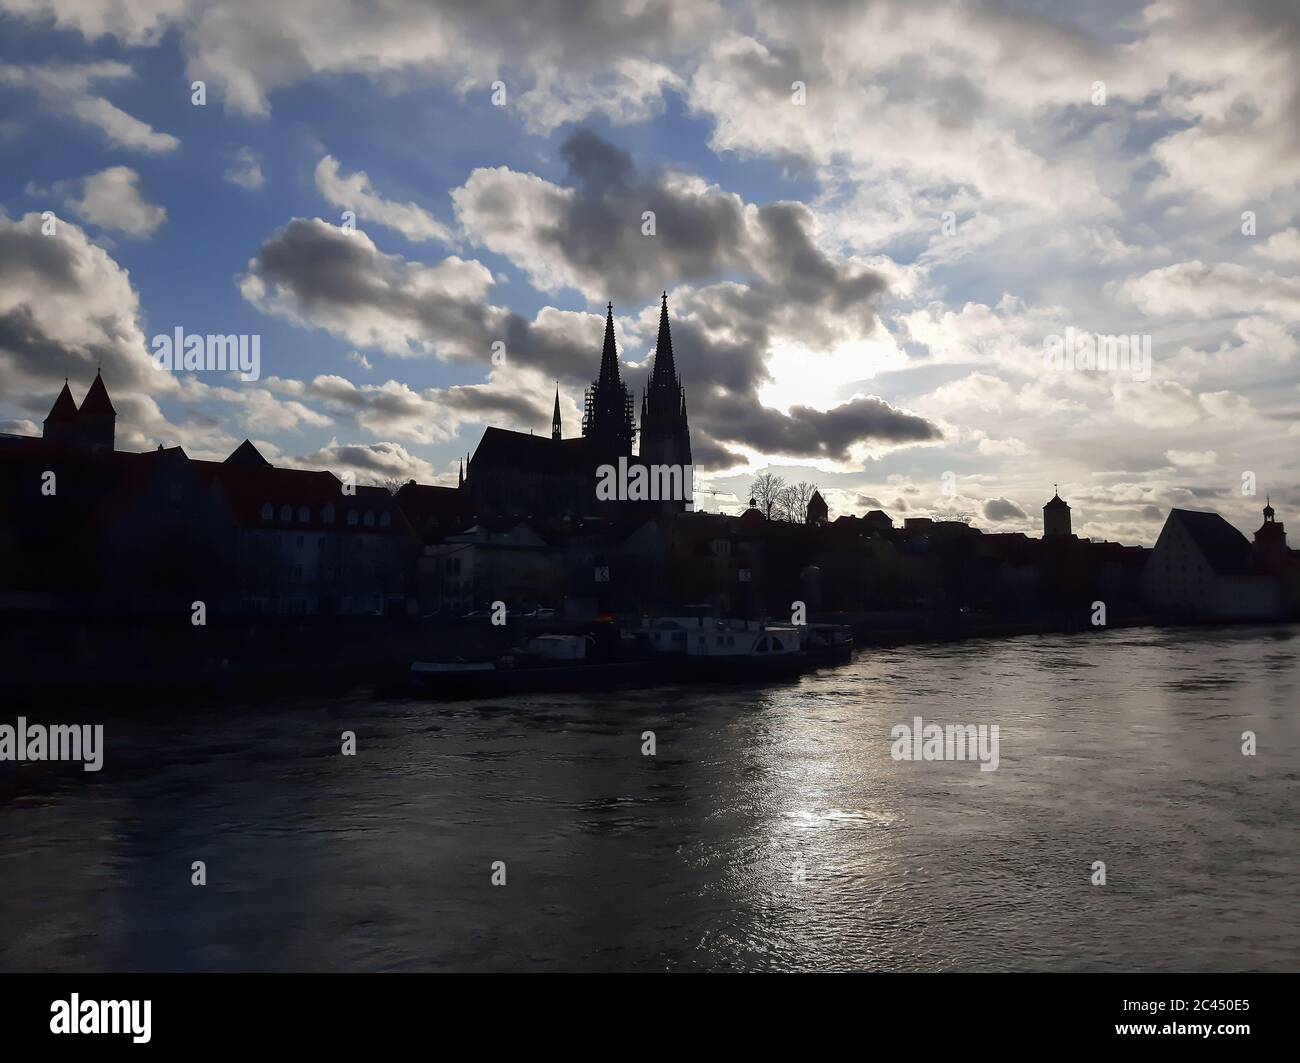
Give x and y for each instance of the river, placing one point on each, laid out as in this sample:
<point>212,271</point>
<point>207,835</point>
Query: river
<point>770,830</point>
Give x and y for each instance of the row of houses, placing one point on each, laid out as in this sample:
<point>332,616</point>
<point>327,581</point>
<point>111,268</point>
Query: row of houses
<point>85,527</point>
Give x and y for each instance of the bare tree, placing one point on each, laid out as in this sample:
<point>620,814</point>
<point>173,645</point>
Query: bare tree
<point>784,506</point>
<point>801,493</point>
<point>766,491</point>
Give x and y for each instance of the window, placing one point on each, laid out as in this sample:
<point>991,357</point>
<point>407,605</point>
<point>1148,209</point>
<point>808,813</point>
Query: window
<point>327,513</point>
<point>304,514</point>
<point>352,518</point>
<point>286,513</point>
<point>268,511</point>
<point>297,571</point>
<point>300,541</point>
<point>369,520</point>
<point>762,646</point>
<point>385,519</point>
<point>777,645</point>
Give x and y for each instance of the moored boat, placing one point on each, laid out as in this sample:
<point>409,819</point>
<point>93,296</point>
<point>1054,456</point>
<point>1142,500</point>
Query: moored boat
<point>711,648</point>
<point>545,664</point>
<point>827,643</point>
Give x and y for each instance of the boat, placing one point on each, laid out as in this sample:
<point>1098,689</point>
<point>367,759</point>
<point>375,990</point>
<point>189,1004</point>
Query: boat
<point>727,650</point>
<point>827,643</point>
<point>546,664</point>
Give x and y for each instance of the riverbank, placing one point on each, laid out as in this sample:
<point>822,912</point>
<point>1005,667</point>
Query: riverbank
<point>43,665</point>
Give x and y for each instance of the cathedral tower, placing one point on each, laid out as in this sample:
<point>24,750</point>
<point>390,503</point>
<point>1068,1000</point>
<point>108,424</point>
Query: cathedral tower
<point>665,435</point>
<point>608,418</point>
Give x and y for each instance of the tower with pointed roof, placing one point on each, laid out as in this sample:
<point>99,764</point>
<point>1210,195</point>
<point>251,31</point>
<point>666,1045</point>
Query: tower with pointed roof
<point>665,433</point>
<point>555,417</point>
<point>61,422</point>
<point>93,426</point>
<point>817,512</point>
<point>1056,518</point>
<point>607,422</point>
<point>1271,536</point>
<point>97,420</point>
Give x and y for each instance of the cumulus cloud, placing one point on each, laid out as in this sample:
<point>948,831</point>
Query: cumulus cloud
<point>1203,291</point>
<point>589,233</point>
<point>66,308</point>
<point>68,90</point>
<point>111,199</point>
<point>324,276</point>
<point>246,170</point>
<point>377,462</point>
<point>320,275</point>
<point>354,192</point>
<point>998,510</point>
<point>560,58</point>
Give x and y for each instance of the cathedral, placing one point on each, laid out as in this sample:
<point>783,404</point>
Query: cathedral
<point>523,475</point>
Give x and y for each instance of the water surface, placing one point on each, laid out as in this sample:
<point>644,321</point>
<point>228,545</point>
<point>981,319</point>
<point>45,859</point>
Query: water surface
<point>771,831</point>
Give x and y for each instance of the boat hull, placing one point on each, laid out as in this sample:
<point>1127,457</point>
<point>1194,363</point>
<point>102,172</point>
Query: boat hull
<point>548,679</point>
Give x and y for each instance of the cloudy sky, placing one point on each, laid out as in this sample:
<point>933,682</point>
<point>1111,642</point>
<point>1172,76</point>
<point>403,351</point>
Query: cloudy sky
<point>870,219</point>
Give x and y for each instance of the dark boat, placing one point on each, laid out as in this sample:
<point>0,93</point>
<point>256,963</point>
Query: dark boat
<point>449,680</point>
<point>548,664</point>
<point>711,649</point>
<point>827,643</point>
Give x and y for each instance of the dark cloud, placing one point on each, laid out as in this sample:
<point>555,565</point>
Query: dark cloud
<point>1000,509</point>
<point>588,233</point>
<point>723,333</point>
<point>69,310</point>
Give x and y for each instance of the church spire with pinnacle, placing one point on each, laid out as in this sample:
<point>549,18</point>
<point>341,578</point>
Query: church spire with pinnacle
<point>608,420</point>
<point>609,353</point>
<point>665,370</point>
<point>555,417</point>
<point>665,434</point>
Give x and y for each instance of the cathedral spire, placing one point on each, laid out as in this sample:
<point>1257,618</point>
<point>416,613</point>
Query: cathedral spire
<point>608,418</point>
<point>555,417</point>
<point>609,353</point>
<point>665,371</point>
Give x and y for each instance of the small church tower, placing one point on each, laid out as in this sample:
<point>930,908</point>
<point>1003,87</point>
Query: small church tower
<point>555,417</point>
<point>1271,536</point>
<point>1056,518</point>
<point>97,420</point>
<point>61,423</point>
<point>818,512</point>
<point>93,426</point>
